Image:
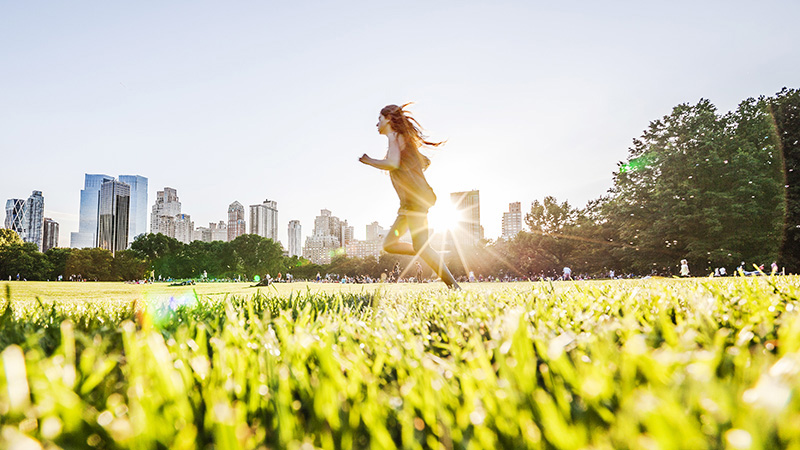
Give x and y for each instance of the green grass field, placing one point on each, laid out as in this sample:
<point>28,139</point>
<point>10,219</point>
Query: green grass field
<point>643,364</point>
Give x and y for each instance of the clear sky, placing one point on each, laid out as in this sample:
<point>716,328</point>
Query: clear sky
<point>249,101</point>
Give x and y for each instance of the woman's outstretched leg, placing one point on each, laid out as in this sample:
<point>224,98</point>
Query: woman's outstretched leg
<point>418,225</point>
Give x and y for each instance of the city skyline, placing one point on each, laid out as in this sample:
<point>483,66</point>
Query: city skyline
<point>228,102</point>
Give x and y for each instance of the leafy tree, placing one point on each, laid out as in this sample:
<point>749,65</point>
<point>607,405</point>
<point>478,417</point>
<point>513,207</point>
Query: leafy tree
<point>257,255</point>
<point>784,109</point>
<point>128,265</point>
<point>57,258</point>
<point>699,186</point>
<point>555,226</point>
<point>24,260</point>
<point>9,237</point>
<point>90,264</point>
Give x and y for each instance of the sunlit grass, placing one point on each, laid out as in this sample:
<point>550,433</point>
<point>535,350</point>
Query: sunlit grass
<point>636,364</point>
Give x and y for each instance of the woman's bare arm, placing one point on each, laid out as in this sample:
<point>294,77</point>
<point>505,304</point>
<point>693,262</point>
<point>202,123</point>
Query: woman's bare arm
<point>390,162</point>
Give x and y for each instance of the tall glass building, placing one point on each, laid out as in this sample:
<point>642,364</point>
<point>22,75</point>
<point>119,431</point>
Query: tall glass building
<point>86,236</point>
<point>49,234</point>
<point>138,213</point>
<point>26,217</point>
<point>35,212</point>
<point>113,215</point>
<point>15,216</point>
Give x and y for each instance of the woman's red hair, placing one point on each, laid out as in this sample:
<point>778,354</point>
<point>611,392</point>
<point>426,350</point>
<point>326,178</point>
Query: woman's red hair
<point>407,126</point>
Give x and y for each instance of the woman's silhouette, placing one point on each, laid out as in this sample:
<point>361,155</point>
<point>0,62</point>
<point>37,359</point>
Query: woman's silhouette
<point>406,165</point>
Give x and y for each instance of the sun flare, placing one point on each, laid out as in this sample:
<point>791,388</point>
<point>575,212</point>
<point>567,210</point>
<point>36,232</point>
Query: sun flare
<point>444,217</point>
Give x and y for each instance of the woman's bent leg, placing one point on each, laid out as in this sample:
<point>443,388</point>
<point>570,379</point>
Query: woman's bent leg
<point>392,244</point>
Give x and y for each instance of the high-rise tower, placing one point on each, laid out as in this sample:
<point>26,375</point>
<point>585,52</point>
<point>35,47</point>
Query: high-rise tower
<point>26,217</point>
<point>295,238</point>
<point>86,236</point>
<point>164,211</point>
<point>236,222</point>
<point>49,234</point>
<point>113,215</point>
<point>138,214</point>
<point>512,220</point>
<point>264,219</point>
<point>468,205</point>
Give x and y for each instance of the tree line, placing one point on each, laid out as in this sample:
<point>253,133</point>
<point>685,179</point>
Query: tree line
<point>715,189</point>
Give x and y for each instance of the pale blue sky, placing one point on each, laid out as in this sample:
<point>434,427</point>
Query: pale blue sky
<point>253,100</point>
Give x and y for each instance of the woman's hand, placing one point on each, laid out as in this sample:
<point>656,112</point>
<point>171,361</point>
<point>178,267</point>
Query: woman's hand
<point>364,158</point>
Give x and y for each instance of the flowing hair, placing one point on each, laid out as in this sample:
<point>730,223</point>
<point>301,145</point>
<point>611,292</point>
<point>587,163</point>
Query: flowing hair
<point>407,126</point>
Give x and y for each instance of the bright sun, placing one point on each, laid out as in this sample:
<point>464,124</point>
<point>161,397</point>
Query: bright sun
<point>444,217</point>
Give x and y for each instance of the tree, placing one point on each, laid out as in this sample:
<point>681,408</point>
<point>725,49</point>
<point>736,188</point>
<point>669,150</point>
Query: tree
<point>554,226</point>
<point>784,109</point>
<point>9,237</point>
<point>90,264</point>
<point>699,186</point>
<point>58,261</point>
<point>257,255</point>
<point>128,265</point>
<point>24,260</point>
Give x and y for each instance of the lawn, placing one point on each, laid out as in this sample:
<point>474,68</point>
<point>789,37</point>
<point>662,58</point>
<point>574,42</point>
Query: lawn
<point>641,364</point>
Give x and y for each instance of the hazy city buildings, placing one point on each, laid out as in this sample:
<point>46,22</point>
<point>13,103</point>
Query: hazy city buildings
<point>137,224</point>
<point>375,232</point>
<point>295,238</point>
<point>164,211</point>
<point>512,221</point>
<point>264,220</point>
<point>326,241</point>
<point>112,217</point>
<point>49,234</point>
<point>468,205</point>
<point>184,228</point>
<point>372,246</point>
<point>26,217</point>
<point>236,222</point>
<point>219,231</point>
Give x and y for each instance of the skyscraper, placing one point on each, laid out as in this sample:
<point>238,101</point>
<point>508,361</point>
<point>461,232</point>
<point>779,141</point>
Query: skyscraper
<point>375,232</point>
<point>138,214</point>
<point>86,236</point>
<point>326,239</point>
<point>26,217</point>
<point>113,215</point>
<point>512,221</point>
<point>184,227</point>
<point>16,217</point>
<point>295,238</point>
<point>49,234</point>
<point>236,222</point>
<point>468,205</point>
<point>264,219</point>
<point>164,212</point>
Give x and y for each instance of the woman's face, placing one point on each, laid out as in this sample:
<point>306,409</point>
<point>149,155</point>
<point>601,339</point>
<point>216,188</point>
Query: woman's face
<point>384,126</point>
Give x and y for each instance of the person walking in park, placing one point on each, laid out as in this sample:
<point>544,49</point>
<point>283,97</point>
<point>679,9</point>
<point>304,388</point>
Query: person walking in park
<point>684,268</point>
<point>406,165</point>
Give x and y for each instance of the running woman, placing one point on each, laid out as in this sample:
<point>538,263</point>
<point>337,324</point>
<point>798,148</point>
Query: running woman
<point>406,165</point>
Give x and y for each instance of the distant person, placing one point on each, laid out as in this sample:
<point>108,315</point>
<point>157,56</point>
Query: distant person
<point>406,165</point>
<point>566,274</point>
<point>774,267</point>
<point>419,272</point>
<point>684,268</point>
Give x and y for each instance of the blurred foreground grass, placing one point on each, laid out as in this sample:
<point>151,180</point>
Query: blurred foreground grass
<point>668,364</point>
